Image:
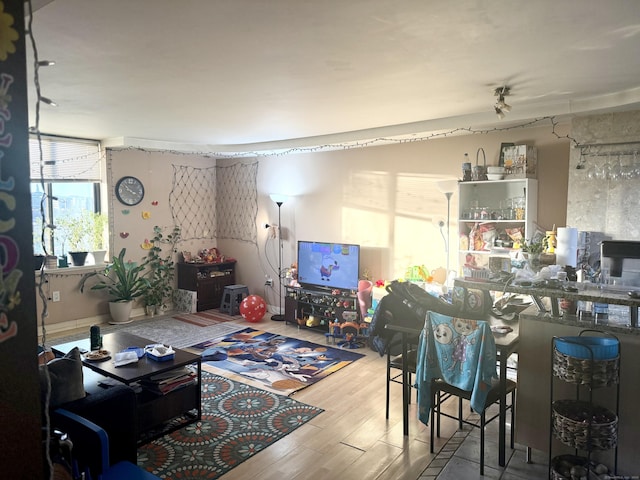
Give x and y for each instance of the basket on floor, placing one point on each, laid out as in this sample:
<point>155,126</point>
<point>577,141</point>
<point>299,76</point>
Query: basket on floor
<point>571,425</point>
<point>561,466</point>
<point>579,370</point>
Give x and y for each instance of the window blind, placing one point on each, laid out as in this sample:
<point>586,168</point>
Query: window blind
<point>65,159</point>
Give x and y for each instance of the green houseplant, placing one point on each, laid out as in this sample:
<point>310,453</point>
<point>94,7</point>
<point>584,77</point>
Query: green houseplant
<point>161,268</point>
<point>124,282</point>
<point>82,233</point>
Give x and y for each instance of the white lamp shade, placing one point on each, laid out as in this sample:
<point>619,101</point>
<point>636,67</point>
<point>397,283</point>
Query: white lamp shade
<point>278,197</point>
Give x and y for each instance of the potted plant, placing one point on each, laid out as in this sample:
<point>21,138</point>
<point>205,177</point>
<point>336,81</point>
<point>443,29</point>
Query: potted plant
<point>161,268</point>
<point>124,281</point>
<point>81,234</point>
<point>71,233</point>
<point>97,225</point>
<point>532,251</point>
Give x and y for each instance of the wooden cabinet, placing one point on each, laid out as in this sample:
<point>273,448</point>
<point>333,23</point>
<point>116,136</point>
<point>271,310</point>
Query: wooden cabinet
<point>207,280</point>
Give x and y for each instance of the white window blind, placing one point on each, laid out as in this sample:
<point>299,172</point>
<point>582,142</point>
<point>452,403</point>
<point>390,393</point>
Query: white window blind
<point>65,159</point>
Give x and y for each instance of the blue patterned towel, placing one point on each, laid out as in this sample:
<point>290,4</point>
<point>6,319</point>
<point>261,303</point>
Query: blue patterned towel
<point>459,351</point>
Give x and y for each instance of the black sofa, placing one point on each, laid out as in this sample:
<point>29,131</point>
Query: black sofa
<point>110,405</point>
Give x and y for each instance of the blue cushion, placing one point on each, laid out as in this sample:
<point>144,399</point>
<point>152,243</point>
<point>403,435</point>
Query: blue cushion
<point>127,471</point>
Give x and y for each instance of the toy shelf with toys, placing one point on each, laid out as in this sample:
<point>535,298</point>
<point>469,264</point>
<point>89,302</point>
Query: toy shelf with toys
<point>318,309</point>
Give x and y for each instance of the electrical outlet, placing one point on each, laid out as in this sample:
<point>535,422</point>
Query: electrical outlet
<point>56,296</point>
<point>269,282</point>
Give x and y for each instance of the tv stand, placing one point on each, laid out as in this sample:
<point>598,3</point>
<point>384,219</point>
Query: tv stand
<point>325,305</point>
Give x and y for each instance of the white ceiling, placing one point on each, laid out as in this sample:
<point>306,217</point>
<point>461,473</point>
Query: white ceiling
<point>251,75</point>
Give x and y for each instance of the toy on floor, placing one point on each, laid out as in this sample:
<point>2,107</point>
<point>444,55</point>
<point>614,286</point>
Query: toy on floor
<point>352,334</point>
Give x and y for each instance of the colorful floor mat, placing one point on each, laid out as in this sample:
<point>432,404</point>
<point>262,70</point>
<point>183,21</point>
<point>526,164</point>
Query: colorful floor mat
<point>274,362</point>
<point>205,318</point>
<point>238,421</point>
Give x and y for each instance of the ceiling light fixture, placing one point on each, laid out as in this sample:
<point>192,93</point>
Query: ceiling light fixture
<point>501,107</point>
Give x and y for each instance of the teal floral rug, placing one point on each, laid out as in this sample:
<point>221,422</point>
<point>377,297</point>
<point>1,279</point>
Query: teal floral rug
<point>238,421</point>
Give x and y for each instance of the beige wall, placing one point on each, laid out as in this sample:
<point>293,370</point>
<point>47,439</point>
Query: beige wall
<point>361,196</point>
<point>384,198</point>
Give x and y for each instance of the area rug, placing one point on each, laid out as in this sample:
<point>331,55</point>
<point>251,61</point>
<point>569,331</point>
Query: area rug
<point>166,329</point>
<point>178,333</point>
<point>238,421</point>
<point>273,362</point>
<point>205,318</point>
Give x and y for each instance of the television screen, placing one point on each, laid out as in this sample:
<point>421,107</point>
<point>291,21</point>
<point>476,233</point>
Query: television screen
<point>328,265</point>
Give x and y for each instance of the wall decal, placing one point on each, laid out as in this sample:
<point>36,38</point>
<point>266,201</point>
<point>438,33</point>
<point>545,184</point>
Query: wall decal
<point>154,203</point>
<point>126,212</point>
<point>146,245</point>
<point>124,234</point>
<point>146,215</point>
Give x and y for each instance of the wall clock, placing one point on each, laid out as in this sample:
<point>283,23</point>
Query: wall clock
<point>129,190</point>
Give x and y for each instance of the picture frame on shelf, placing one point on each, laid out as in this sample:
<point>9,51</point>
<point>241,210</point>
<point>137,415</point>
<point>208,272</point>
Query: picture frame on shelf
<point>503,147</point>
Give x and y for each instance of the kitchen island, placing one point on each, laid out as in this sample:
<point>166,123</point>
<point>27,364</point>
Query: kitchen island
<point>538,325</point>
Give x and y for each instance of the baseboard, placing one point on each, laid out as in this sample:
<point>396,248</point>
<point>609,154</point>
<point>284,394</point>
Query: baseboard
<point>60,328</point>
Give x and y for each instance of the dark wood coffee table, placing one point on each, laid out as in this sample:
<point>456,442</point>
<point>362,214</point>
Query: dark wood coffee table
<point>154,410</point>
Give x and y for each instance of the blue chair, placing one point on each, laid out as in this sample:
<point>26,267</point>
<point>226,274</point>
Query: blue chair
<point>90,450</point>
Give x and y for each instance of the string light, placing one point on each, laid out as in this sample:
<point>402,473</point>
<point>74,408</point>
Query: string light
<point>363,143</point>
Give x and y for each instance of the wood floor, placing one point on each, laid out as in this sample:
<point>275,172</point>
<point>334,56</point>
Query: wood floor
<point>351,439</point>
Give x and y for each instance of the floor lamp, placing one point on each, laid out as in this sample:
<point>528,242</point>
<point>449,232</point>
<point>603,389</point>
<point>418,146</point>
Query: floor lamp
<point>447,187</point>
<point>279,200</point>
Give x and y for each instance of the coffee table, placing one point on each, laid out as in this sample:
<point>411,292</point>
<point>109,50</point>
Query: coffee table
<point>154,410</point>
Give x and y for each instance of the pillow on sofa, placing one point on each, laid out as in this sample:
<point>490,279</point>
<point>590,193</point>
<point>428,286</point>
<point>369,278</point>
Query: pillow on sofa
<point>67,382</point>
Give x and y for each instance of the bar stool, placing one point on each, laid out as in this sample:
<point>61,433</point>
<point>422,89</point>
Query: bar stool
<point>232,296</point>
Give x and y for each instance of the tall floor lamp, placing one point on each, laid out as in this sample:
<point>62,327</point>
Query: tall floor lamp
<point>279,200</point>
<point>447,187</point>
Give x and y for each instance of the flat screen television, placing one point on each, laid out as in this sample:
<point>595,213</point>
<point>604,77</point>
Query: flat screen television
<point>328,265</point>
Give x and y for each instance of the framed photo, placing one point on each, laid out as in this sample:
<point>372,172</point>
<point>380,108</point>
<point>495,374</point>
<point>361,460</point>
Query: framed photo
<point>504,146</point>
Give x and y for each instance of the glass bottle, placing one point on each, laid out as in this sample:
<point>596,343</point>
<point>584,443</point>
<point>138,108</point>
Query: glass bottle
<point>466,169</point>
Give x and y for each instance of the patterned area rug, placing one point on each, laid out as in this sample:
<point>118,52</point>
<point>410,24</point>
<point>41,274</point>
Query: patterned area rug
<point>208,317</point>
<point>238,421</point>
<point>270,361</point>
<point>170,330</point>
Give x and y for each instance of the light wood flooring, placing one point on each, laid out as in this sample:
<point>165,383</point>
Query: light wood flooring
<point>351,439</point>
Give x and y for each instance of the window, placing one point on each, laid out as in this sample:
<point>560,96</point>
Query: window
<point>65,192</point>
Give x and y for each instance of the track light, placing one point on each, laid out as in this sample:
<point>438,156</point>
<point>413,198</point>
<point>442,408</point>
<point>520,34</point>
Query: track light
<point>501,107</point>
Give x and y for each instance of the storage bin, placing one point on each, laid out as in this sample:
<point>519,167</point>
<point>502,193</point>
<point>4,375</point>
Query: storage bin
<point>571,425</point>
<point>602,348</point>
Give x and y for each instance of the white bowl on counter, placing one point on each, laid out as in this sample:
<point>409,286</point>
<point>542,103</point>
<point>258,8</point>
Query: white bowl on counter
<point>495,170</point>
<point>495,176</point>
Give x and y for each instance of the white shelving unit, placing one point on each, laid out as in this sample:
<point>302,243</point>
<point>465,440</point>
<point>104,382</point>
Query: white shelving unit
<point>486,202</point>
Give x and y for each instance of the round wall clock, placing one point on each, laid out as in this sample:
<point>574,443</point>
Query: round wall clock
<point>129,190</point>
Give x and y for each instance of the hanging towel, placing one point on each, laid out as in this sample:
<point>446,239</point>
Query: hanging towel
<point>459,351</point>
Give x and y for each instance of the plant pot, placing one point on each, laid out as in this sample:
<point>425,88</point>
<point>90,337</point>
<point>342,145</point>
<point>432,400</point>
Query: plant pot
<point>151,310</point>
<point>97,256</point>
<point>38,260</point>
<point>120,312</point>
<point>78,258</point>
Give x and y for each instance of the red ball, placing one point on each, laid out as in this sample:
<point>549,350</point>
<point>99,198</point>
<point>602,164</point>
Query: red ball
<point>253,308</point>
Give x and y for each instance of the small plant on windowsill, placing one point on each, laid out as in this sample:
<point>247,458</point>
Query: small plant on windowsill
<point>161,267</point>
